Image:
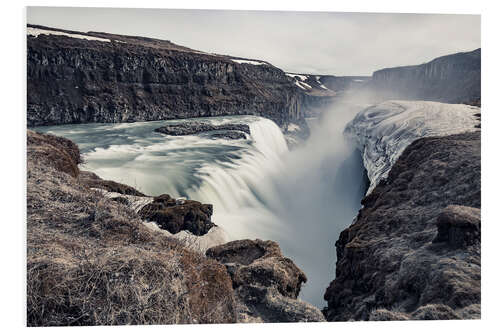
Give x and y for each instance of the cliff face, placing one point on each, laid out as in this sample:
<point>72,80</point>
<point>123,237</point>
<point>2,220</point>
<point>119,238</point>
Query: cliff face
<point>454,78</point>
<point>319,92</point>
<point>113,78</point>
<point>414,249</point>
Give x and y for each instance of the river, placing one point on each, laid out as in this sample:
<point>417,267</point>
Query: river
<point>259,188</point>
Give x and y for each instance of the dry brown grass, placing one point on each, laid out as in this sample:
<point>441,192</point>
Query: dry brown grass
<point>91,261</point>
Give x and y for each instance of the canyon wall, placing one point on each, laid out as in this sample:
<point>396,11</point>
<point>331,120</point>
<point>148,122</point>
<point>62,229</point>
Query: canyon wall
<point>76,77</point>
<point>414,250</point>
<point>454,78</point>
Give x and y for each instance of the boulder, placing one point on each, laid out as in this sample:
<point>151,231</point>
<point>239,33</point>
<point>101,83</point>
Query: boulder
<point>174,216</point>
<point>266,283</point>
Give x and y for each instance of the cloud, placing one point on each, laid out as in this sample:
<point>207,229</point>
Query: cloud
<point>304,42</point>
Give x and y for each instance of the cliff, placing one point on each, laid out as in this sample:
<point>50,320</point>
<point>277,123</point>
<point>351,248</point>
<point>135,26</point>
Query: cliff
<point>414,250</point>
<point>454,78</point>
<point>321,91</point>
<point>92,259</point>
<point>76,77</point>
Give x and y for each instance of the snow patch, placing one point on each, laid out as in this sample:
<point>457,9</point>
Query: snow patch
<point>302,85</point>
<point>383,131</point>
<point>301,77</point>
<point>215,236</point>
<point>36,32</point>
<point>135,202</point>
<point>251,62</point>
<point>321,84</point>
<point>293,127</point>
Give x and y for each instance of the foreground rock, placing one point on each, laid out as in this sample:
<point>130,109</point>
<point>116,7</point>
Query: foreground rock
<point>414,249</point>
<point>266,284</point>
<point>177,215</point>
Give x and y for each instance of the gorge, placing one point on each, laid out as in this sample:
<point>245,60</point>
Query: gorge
<point>303,160</point>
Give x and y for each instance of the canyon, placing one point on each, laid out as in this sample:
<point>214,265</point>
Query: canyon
<point>391,174</point>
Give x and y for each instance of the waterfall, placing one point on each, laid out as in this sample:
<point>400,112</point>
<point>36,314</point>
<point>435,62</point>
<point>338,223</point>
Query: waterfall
<point>301,199</point>
<point>238,188</point>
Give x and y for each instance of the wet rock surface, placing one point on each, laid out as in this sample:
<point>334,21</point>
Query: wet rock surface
<point>195,127</point>
<point>177,215</point>
<point>266,284</point>
<point>230,135</point>
<point>414,251</point>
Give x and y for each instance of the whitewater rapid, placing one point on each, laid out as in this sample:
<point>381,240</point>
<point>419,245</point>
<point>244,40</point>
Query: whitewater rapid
<point>259,189</point>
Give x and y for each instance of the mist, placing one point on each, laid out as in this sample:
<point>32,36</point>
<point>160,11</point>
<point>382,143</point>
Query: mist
<point>301,199</point>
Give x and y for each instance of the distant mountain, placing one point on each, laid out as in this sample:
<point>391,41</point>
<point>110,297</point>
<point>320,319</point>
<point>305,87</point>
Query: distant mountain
<point>454,78</point>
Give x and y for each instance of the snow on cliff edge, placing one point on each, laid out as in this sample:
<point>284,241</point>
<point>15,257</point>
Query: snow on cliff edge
<point>383,131</point>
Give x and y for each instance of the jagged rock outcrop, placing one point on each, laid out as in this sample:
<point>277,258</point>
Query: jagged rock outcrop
<point>266,284</point>
<point>414,250</point>
<point>454,78</point>
<point>125,79</point>
<point>177,215</point>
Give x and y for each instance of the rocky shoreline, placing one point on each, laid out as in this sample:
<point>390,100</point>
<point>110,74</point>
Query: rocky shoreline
<point>113,268</point>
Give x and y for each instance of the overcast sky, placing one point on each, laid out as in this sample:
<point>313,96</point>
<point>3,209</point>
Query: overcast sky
<point>302,42</point>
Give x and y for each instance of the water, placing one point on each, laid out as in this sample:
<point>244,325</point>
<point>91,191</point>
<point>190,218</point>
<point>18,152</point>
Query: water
<point>302,199</point>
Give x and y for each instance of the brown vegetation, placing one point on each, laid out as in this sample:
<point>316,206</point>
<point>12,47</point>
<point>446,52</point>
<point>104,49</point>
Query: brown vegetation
<point>91,261</point>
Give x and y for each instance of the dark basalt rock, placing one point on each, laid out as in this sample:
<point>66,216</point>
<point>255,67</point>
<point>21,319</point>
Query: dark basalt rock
<point>416,242</point>
<point>131,79</point>
<point>177,215</point>
<point>195,127</point>
<point>454,78</point>
<point>229,135</point>
<point>266,283</point>
<point>244,252</point>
